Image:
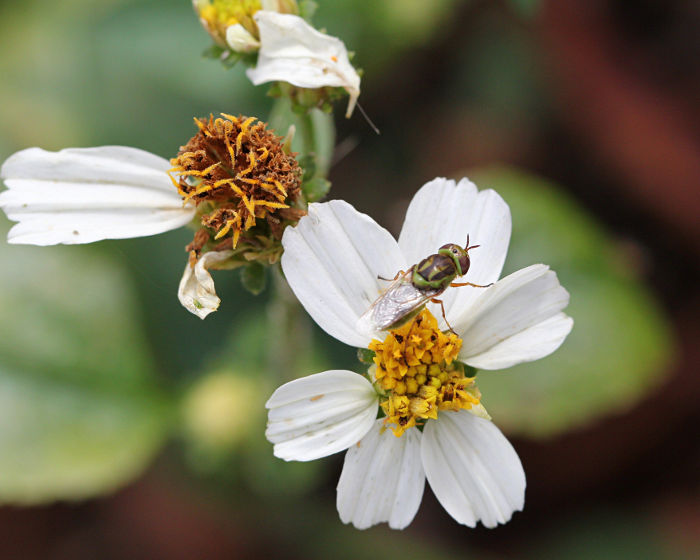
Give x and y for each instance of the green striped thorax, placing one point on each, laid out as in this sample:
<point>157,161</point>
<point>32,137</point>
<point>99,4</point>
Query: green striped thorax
<point>437,271</point>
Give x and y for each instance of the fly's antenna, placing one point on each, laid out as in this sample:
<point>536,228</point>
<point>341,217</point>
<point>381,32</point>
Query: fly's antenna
<point>369,121</point>
<point>467,247</point>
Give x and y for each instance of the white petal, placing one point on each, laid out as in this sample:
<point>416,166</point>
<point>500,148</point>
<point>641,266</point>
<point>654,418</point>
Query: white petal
<point>240,40</point>
<point>196,291</point>
<point>528,345</point>
<point>332,259</point>
<point>472,468</point>
<point>319,415</point>
<point>382,479</point>
<point>81,195</point>
<point>513,305</point>
<point>443,211</point>
<point>293,51</point>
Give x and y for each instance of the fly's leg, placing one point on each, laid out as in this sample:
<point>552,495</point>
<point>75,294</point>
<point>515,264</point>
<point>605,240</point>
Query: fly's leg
<point>442,307</point>
<point>399,273</point>
<point>460,284</point>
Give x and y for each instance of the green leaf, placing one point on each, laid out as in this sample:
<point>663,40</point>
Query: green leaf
<point>621,345</point>
<point>80,413</point>
<point>254,278</point>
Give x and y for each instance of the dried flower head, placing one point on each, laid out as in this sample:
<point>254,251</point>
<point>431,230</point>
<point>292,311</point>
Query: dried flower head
<point>244,184</point>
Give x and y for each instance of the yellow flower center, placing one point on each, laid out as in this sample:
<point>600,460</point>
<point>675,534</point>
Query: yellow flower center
<point>217,15</point>
<point>416,370</point>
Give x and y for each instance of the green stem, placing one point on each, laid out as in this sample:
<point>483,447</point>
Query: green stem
<point>290,332</point>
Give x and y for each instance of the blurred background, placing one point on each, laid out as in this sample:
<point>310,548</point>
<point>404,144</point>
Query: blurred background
<point>131,429</point>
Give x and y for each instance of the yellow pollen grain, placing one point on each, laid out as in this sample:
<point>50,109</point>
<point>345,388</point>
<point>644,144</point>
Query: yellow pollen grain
<point>415,367</point>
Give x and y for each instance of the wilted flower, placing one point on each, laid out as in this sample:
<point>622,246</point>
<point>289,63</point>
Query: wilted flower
<point>234,176</point>
<point>292,51</point>
<point>433,423</point>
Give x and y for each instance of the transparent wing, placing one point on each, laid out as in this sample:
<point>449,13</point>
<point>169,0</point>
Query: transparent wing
<point>400,299</point>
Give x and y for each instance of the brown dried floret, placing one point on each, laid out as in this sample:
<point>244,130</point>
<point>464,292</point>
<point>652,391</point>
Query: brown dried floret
<point>239,176</point>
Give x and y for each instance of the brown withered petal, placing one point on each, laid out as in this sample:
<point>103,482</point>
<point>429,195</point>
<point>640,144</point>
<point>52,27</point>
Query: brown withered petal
<point>240,178</point>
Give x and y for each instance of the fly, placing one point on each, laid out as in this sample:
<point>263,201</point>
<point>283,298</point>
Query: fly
<point>412,289</point>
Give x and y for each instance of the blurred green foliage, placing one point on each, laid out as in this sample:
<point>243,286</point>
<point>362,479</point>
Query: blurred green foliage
<point>80,409</point>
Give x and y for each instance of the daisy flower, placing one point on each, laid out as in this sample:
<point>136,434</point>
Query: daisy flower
<point>432,423</point>
<point>292,51</point>
<point>233,181</point>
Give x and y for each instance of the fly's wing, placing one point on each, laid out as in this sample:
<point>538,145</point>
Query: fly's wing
<point>399,300</point>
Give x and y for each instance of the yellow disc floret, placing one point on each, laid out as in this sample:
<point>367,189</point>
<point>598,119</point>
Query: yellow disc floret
<point>417,372</point>
<point>218,15</point>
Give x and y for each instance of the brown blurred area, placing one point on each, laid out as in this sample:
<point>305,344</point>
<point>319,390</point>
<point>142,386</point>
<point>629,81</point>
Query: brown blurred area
<point>617,124</point>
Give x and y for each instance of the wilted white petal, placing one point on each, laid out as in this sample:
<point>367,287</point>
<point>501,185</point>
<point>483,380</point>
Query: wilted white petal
<point>293,51</point>
<point>81,195</point>
<point>382,479</point>
<point>240,40</point>
<point>332,259</point>
<point>472,468</point>
<point>444,211</point>
<point>319,415</point>
<point>513,305</point>
<point>530,344</point>
<point>196,292</point>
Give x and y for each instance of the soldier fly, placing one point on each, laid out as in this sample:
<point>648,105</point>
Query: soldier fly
<point>412,289</point>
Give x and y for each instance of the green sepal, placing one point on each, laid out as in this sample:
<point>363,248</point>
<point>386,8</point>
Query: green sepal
<point>316,188</point>
<point>254,278</point>
<point>214,51</point>
<point>308,163</point>
<point>365,355</point>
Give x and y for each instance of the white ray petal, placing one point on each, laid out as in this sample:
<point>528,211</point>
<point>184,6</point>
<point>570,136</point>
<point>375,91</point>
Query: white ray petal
<point>530,344</point>
<point>472,468</point>
<point>444,211</point>
<point>319,415</point>
<point>332,259</point>
<point>196,292</point>
<point>514,304</point>
<point>81,195</point>
<point>382,479</point>
<point>293,51</point>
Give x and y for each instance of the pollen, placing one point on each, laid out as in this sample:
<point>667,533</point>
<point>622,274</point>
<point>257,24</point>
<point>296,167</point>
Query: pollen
<point>416,370</point>
<point>242,181</point>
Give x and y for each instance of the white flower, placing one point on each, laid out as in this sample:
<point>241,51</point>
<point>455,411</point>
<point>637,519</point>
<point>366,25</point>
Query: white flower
<point>82,195</point>
<point>293,51</point>
<point>332,261</point>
